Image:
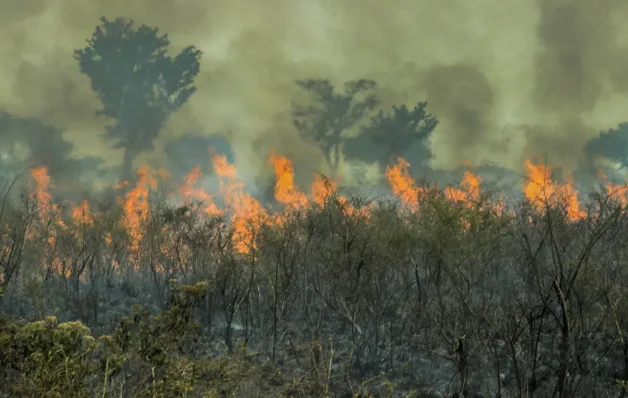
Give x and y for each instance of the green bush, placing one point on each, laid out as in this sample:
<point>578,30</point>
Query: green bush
<point>147,356</point>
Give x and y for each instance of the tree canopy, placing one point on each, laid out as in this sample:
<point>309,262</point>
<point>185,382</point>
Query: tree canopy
<point>334,114</point>
<point>611,144</point>
<point>391,133</point>
<point>139,85</point>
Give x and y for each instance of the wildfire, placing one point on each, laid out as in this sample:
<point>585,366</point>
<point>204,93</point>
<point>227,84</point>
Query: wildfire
<point>49,216</point>
<point>41,191</point>
<point>470,191</point>
<point>322,189</point>
<point>541,191</point>
<point>402,184</point>
<point>189,191</point>
<point>247,215</point>
<point>137,207</point>
<point>285,189</point>
<point>81,214</point>
<point>615,191</point>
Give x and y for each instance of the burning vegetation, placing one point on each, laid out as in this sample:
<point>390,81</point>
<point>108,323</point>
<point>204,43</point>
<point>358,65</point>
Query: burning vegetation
<point>320,260</point>
<point>246,215</point>
<point>169,288</point>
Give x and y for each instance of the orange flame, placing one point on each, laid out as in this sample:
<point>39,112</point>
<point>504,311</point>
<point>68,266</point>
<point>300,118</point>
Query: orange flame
<point>617,192</point>
<point>322,189</point>
<point>247,213</point>
<point>470,191</point>
<point>42,193</point>
<point>402,184</point>
<point>285,189</point>
<point>540,190</point>
<point>49,216</point>
<point>190,192</point>
<point>81,214</point>
<point>137,207</point>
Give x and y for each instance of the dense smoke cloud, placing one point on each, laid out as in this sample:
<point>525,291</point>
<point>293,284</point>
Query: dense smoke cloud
<point>508,80</point>
<point>580,72</point>
<point>462,96</point>
<point>26,142</point>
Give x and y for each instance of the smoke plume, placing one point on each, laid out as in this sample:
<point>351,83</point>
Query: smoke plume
<point>508,80</point>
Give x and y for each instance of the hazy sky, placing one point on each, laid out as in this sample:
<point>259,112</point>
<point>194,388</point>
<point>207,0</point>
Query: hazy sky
<point>509,79</point>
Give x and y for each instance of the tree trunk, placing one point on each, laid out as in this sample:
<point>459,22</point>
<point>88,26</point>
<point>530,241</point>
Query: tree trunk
<point>229,331</point>
<point>462,358</point>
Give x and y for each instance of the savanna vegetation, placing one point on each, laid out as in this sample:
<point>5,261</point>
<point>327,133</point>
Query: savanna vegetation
<point>162,291</point>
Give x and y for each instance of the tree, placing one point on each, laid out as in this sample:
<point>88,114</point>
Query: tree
<point>391,133</point>
<point>139,85</point>
<point>611,144</point>
<point>28,141</point>
<point>15,222</point>
<point>335,114</point>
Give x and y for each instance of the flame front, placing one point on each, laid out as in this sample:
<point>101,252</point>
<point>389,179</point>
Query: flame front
<point>402,184</point>
<point>322,189</point>
<point>285,189</point>
<point>137,208</point>
<point>246,215</point>
<point>189,192</point>
<point>470,191</point>
<point>541,191</point>
<point>50,219</point>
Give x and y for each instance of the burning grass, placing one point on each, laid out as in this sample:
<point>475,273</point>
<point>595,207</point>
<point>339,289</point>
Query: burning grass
<point>349,280</point>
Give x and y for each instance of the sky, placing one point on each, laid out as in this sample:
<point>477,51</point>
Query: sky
<point>508,79</point>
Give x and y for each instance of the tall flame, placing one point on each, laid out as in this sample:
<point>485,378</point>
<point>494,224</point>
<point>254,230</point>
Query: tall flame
<point>470,191</point>
<point>247,215</point>
<point>189,191</point>
<point>286,191</point>
<point>137,207</point>
<point>540,190</point>
<point>49,217</point>
<point>402,184</point>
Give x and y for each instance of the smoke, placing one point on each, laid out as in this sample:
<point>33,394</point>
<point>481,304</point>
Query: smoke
<point>507,79</point>
<point>462,97</point>
<point>191,150</point>
<point>28,143</point>
<point>579,69</point>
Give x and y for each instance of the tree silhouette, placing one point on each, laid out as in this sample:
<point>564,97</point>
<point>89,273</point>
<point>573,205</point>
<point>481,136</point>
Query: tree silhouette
<point>139,85</point>
<point>391,133</point>
<point>611,144</point>
<point>326,123</point>
<point>28,141</point>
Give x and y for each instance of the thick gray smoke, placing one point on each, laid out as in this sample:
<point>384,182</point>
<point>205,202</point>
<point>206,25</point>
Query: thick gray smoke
<point>508,80</point>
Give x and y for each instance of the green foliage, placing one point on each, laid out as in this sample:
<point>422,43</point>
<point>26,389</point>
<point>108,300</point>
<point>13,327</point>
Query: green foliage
<point>51,360</point>
<point>47,359</point>
<point>147,356</point>
<point>369,277</point>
